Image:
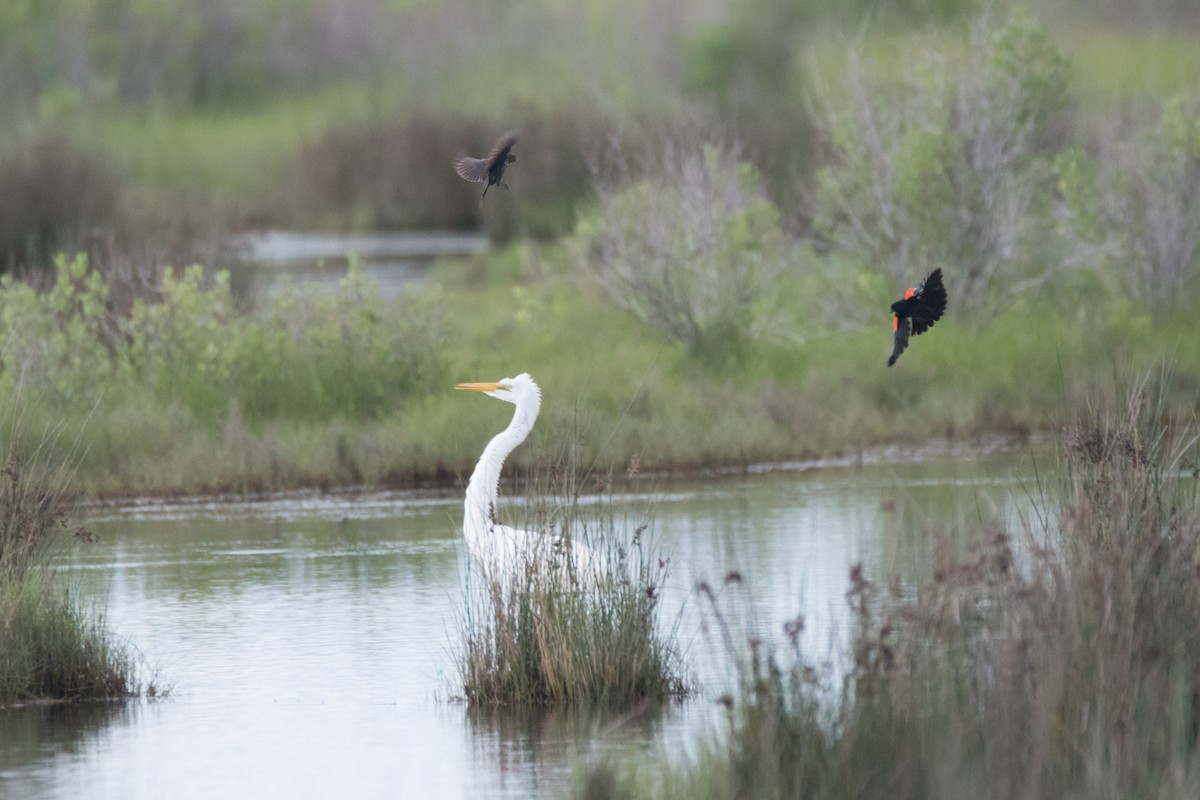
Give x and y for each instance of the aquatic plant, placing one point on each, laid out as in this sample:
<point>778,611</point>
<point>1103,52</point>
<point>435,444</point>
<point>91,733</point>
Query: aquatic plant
<point>51,645</point>
<point>547,629</point>
<point>1056,659</point>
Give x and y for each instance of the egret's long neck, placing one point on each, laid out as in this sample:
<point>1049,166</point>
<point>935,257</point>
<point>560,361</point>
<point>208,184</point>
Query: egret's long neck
<point>484,485</point>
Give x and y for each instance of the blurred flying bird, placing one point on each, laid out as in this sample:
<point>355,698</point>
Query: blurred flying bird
<point>917,311</point>
<point>489,169</point>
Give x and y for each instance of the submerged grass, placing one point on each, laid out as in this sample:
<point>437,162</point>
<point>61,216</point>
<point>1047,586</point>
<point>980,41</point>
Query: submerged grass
<point>1057,660</point>
<point>52,647</point>
<point>575,622</point>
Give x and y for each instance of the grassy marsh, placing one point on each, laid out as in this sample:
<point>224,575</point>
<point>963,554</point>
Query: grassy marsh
<point>1025,371</point>
<point>1055,657</point>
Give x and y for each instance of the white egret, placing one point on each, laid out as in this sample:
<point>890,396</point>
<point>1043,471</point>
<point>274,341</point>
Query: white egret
<point>497,546</point>
<point>488,541</point>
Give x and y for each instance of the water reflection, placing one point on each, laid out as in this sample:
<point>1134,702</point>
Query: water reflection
<point>309,638</point>
<point>534,750</point>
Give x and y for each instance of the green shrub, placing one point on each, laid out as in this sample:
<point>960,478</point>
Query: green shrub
<point>60,339</point>
<point>184,346</point>
<point>949,167</point>
<point>344,354</point>
<point>303,356</point>
<point>1136,205</point>
<point>691,246</point>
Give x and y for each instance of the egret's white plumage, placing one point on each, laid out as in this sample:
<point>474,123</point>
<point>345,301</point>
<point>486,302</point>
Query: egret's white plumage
<point>490,543</point>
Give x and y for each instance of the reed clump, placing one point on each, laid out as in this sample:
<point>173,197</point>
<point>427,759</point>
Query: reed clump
<point>1056,659</point>
<point>51,646</point>
<point>574,621</point>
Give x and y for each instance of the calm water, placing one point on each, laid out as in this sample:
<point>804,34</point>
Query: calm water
<point>393,261</point>
<point>309,640</point>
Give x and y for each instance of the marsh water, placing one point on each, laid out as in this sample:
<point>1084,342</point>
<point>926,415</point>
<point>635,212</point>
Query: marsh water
<point>308,641</point>
<point>260,262</point>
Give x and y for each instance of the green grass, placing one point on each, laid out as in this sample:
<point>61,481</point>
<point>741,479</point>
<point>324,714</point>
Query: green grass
<point>1056,657</point>
<point>242,156</point>
<point>237,153</point>
<point>1112,65</point>
<point>1108,66</point>
<point>612,385</point>
<point>52,647</point>
<point>55,648</point>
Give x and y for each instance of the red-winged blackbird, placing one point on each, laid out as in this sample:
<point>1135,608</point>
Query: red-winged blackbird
<point>916,313</point>
<point>490,169</point>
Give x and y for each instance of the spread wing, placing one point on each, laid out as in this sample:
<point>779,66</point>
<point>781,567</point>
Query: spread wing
<point>500,150</point>
<point>903,326</point>
<point>471,169</point>
<point>931,303</point>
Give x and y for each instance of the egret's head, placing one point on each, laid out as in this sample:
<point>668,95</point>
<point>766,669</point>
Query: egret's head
<point>510,390</point>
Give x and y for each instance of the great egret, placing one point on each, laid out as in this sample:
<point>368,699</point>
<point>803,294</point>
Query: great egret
<point>917,311</point>
<point>490,543</point>
<point>489,169</point>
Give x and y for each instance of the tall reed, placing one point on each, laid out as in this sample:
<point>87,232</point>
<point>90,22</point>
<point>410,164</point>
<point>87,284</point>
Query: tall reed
<point>1057,658</point>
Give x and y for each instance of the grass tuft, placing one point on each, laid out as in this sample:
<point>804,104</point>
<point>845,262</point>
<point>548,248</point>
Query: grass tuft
<point>575,622</point>
<point>51,645</point>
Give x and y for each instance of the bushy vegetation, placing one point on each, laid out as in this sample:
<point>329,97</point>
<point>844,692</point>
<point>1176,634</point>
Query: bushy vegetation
<point>688,243</point>
<point>191,392</point>
<point>344,354</point>
<point>341,112</point>
<point>1136,202</point>
<point>1055,657</point>
<point>53,194</point>
<point>950,167</point>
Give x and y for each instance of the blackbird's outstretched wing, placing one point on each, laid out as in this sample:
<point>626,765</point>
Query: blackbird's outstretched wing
<point>917,311</point>
<point>474,170</point>
<point>479,170</point>
<point>500,150</point>
<point>930,303</point>
<point>903,326</point>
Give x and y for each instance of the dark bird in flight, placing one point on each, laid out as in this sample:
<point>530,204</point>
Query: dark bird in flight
<point>921,307</point>
<point>489,169</point>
